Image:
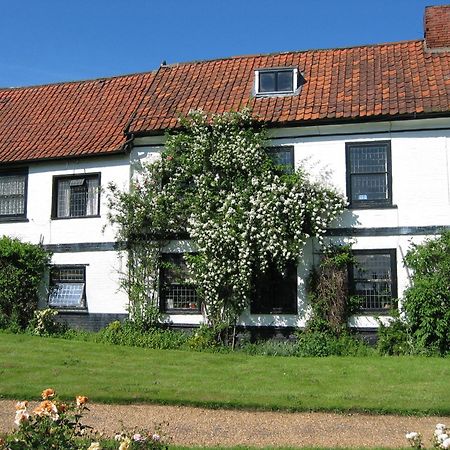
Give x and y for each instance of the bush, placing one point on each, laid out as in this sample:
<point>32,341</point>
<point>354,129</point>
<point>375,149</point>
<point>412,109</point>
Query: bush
<point>131,335</point>
<point>395,338</point>
<point>271,347</point>
<point>44,323</point>
<point>22,268</point>
<point>427,301</point>
<point>326,344</point>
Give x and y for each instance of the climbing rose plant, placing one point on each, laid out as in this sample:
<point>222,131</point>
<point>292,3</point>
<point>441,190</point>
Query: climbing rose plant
<point>216,183</point>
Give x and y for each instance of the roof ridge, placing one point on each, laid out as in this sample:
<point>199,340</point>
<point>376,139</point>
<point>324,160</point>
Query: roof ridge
<point>288,52</point>
<point>86,80</point>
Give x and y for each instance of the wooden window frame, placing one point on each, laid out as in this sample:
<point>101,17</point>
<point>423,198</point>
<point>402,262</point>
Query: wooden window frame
<point>83,305</point>
<point>394,281</point>
<point>367,204</point>
<point>19,171</point>
<point>57,178</point>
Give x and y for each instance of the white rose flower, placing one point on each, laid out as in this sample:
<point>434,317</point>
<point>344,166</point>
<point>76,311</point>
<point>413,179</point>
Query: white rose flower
<point>411,435</point>
<point>446,443</point>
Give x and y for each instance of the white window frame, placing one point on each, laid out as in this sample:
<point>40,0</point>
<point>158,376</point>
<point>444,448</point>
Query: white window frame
<point>295,81</point>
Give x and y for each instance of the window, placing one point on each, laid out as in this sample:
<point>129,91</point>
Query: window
<point>13,194</point>
<point>76,196</point>
<point>282,157</point>
<point>373,277</point>
<point>177,294</point>
<point>67,287</point>
<point>275,292</point>
<point>369,174</point>
<point>282,80</point>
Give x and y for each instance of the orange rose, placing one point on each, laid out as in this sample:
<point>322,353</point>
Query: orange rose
<point>81,400</point>
<point>46,408</point>
<point>47,393</point>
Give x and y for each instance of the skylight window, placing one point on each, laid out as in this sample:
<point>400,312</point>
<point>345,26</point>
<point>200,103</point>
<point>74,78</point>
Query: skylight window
<point>276,81</point>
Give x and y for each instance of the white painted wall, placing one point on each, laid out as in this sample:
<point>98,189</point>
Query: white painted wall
<point>421,192</point>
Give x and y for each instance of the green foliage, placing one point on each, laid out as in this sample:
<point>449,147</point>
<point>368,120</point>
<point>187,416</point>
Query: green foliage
<point>331,305</point>
<point>52,425</point>
<point>395,338</point>
<point>131,335</point>
<point>216,183</point>
<point>22,268</point>
<point>427,301</point>
<point>325,344</point>
<point>270,347</point>
<point>44,324</point>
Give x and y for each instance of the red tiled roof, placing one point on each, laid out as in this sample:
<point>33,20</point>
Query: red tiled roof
<point>68,119</point>
<point>359,83</point>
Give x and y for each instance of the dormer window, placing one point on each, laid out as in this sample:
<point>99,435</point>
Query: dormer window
<point>276,81</point>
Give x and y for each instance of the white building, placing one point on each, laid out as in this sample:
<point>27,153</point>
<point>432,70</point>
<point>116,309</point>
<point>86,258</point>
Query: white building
<point>376,117</point>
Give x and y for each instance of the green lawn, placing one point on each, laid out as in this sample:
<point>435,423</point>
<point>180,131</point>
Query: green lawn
<point>114,374</point>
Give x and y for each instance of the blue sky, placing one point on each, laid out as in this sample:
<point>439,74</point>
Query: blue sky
<point>45,41</point>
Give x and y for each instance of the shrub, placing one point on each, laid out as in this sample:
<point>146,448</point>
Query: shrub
<point>427,301</point>
<point>44,323</point>
<point>22,268</point>
<point>129,334</point>
<point>326,344</point>
<point>271,347</point>
<point>394,338</point>
<point>331,304</point>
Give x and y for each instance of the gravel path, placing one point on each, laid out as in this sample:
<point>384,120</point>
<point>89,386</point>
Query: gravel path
<point>198,426</point>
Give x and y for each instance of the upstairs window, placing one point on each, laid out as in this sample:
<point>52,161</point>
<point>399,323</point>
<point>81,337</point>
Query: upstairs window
<point>13,194</point>
<point>177,294</point>
<point>284,80</point>
<point>373,278</point>
<point>67,287</point>
<point>275,292</point>
<point>369,174</point>
<point>76,196</point>
<point>283,158</point>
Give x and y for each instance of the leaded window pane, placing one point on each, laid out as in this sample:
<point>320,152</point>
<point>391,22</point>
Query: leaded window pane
<point>369,187</point>
<point>12,195</point>
<point>77,197</point>
<point>369,173</point>
<point>176,290</point>
<point>282,157</point>
<point>373,280</point>
<point>67,287</point>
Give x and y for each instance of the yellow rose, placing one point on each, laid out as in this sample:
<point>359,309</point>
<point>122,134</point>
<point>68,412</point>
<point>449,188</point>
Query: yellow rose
<point>47,393</point>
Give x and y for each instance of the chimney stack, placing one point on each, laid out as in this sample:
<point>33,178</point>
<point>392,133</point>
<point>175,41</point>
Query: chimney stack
<point>437,28</point>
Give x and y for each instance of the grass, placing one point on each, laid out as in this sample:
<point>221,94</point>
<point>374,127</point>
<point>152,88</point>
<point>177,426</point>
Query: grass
<point>115,374</point>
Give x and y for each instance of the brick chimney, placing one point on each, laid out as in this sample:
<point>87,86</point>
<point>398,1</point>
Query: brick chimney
<point>437,28</point>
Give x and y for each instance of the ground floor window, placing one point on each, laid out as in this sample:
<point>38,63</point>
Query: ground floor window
<point>177,294</point>
<point>373,277</point>
<point>67,287</point>
<point>275,292</point>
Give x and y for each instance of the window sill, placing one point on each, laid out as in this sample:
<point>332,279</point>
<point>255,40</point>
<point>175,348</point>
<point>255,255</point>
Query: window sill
<point>274,313</point>
<point>181,311</point>
<point>375,312</point>
<point>374,206</point>
<point>63,311</point>
<point>13,219</point>
<point>98,216</point>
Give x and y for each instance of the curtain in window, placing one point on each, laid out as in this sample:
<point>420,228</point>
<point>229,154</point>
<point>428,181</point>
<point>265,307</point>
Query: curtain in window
<point>63,200</point>
<point>12,195</point>
<point>92,198</point>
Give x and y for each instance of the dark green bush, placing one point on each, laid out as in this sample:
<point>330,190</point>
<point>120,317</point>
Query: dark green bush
<point>395,338</point>
<point>427,301</point>
<point>127,333</point>
<point>326,344</point>
<point>270,347</point>
<point>22,269</point>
